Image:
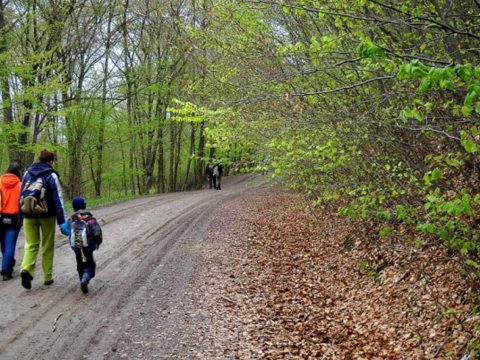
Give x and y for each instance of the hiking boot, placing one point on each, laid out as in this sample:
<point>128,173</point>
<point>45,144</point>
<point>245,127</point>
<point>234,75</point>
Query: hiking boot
<point>84,286</point>
<point>26,279</point>
<point>6,277</point>
<point>48,282</point>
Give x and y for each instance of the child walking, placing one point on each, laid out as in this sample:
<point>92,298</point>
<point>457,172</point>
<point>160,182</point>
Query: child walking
<point>85,237</point>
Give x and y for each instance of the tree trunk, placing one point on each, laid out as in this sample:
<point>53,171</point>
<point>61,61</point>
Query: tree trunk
<point>97,174</point>
<point>171,177</point>
<point>200,163</point>
<point>191,153</point>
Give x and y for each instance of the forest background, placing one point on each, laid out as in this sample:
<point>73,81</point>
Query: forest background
<point>370,106</point>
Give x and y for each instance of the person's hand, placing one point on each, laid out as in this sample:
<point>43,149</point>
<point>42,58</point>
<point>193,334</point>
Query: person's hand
<point>65,229</point>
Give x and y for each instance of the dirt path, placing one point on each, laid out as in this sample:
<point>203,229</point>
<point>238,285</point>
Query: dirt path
<point>143,273</point>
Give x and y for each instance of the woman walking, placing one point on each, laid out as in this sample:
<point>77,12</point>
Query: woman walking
<point>40,216</point>
<point>10,220</point>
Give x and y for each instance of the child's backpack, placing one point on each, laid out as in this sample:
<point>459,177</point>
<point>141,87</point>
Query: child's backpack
<point>215,170</point>
<point>79,232</point>
<point>85,230</point>
<point>32,198</point>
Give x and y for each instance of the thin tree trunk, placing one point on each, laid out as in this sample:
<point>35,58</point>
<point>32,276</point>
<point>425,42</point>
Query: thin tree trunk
<point>97,175</point>
<point>200,163</point>
<point>171,185</point>
<point>191,153</point>
<point>128,95</point>
<point>13,148</point>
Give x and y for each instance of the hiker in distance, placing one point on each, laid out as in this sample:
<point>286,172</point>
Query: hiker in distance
<point>211,178</point>
<point>85,237</point>
<point>217,176</point>
<point>41,203</point>
<point>10,218</point>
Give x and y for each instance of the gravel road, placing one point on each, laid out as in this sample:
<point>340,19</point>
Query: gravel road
<point>146,269</point>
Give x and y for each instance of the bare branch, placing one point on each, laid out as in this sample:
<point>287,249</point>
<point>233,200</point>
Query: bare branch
<point>345,87</point>
<point>441,24</point>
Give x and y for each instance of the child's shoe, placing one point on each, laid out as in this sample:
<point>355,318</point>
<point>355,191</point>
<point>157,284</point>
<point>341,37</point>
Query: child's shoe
<point>84,286</point>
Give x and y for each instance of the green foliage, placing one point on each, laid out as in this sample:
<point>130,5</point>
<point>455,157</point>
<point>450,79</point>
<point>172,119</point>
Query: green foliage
<point>367,268</point>
<point>385,231</point>
<point>189,112</point>
<point>451,219</point>
<point>297,154</point>
<point>454,78</point>
<point>368,49</point>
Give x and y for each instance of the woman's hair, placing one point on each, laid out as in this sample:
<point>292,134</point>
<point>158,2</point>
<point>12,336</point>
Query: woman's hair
<point>15,169</point>
<point>46,156</point>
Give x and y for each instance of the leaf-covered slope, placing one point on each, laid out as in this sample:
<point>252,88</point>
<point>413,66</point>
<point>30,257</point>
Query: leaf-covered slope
<point>299,288</point>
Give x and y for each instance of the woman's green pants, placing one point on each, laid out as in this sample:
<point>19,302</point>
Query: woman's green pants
<point>39,231</point>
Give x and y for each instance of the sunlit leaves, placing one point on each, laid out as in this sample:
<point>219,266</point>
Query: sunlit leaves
<point>190,112</point>
<point>453,78</point>
<point>368,49</point>
<point>468,144</point>
<point>414,69</point>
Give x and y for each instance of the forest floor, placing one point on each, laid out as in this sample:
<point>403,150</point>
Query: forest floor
<point>301,283</point>
<point>247,272</point>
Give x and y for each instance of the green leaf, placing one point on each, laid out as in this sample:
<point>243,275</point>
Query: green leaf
<point>472,263</point>
<point>427,178</point>
<point>470,146</point>
<point>367,49</point>
<point>436,174</point>
<point>428,106</point>
<point>428,228</point>
<point>443,234</point>
<point>463,72</point>
<point>385,231</point>
<point>474,131</point>
<point>425,85</point>
<point>446,84</point>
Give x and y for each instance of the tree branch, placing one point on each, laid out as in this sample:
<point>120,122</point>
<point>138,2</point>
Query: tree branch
<point>345,87</point>
<point>441,24</point>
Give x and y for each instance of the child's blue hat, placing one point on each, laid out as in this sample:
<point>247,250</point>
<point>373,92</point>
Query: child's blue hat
<point>78,203</point>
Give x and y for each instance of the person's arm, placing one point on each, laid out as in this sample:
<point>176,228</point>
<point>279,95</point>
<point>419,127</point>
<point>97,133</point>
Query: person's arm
<point>20,215</point>
<point>58,199</point>
<point>66,228</point>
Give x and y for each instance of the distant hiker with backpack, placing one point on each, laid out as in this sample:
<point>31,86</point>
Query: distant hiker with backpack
<point>217,175</point>
<point>10,217</point>
<point>41,202</point>
<point>211,178</point>
<point>85,237</point>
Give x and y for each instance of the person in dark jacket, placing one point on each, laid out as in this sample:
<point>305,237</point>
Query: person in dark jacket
<point>84,254</point>
<point>40,228</point>
<point>211,178</point>
<point>217,174</point>
<point>10,220</point>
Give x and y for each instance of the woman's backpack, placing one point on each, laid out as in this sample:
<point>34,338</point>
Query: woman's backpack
<point>32,198</point>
